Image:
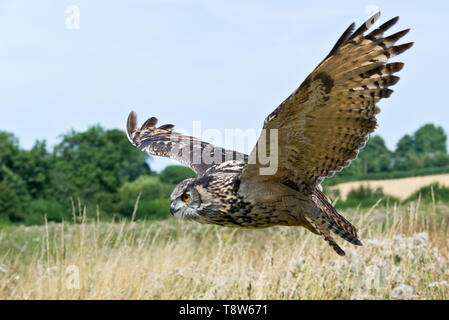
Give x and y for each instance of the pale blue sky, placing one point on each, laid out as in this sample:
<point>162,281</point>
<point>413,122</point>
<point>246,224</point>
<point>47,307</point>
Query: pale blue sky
<point>227,63</point>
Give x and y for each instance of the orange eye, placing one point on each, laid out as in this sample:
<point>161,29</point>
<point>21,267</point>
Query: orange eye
<point>185,197</point>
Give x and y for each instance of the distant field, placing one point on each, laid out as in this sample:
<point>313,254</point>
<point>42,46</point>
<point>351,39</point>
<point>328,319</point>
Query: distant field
<point>405,256</point>
<point>400,188</point>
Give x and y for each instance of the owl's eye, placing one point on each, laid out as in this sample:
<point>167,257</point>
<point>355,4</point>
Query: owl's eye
<point>185,197</point>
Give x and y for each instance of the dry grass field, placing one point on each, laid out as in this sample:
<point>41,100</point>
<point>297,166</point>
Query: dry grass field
<point>399,188</point>
<point>405,256</point>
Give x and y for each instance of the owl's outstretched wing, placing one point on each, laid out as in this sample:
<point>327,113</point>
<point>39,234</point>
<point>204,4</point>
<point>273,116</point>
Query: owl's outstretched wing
<point>162,141</point>
<point>327,120</point>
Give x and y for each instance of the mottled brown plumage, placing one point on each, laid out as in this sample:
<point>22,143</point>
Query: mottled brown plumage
<point>321,128</point>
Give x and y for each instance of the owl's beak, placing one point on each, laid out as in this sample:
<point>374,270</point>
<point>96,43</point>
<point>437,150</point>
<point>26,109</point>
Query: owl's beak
<point>172,209</point>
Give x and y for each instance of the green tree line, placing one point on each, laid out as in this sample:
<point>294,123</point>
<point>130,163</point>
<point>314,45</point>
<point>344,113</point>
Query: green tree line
<point>422,153</point>
<point>100,170</point>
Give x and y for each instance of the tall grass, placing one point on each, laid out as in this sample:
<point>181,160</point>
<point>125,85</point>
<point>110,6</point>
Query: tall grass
<point>405,256</point>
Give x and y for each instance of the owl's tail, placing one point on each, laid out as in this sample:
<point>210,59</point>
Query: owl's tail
<point>328,219</point>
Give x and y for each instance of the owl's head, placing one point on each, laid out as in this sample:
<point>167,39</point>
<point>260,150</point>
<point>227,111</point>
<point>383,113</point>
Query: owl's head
<point>186,200</point>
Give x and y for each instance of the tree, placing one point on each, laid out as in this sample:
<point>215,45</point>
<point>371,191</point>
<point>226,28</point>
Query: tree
<point>375,156</point>
<point>154,198</point>
<point>175,174</point>
<point>13,192</point>
<point>13,195</point>
<point>9,149</point>
<point>92,165</point>
<point>430,138</point>
<point>34,167</point>
<point>405,146</point>
<point>426,148</point>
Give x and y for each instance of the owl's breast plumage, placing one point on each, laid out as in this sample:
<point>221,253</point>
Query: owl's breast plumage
<point>228,202</point>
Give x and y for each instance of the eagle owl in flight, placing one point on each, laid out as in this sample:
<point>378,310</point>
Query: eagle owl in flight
<point>321,127</point>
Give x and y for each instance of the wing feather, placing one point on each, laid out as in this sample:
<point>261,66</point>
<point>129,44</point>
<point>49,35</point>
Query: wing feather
<point>328,119</point>
<point>163,141</point>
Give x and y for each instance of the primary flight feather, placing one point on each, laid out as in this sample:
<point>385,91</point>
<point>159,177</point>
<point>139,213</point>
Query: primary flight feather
<point>321,127</point>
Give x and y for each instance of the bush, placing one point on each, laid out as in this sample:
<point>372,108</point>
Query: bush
<point>364,197</point>
<point>37,210</point>
<point>153,193</point>
<point>149,186</point>
<point>440,193</point>
<point>175,174</point>
<point>155,209</point>
<point>13,195</point>
<point>11,206</point>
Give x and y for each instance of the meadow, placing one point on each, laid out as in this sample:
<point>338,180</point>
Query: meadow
<point>405,256</point>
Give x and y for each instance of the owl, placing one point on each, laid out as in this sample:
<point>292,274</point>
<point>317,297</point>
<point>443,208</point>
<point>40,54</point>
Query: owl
<point>320,129</point>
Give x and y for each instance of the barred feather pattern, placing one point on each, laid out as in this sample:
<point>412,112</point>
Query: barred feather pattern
<point>328,119</point>
<point>162,141</point>
<point>329,219</point>
<point>326,234</point>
